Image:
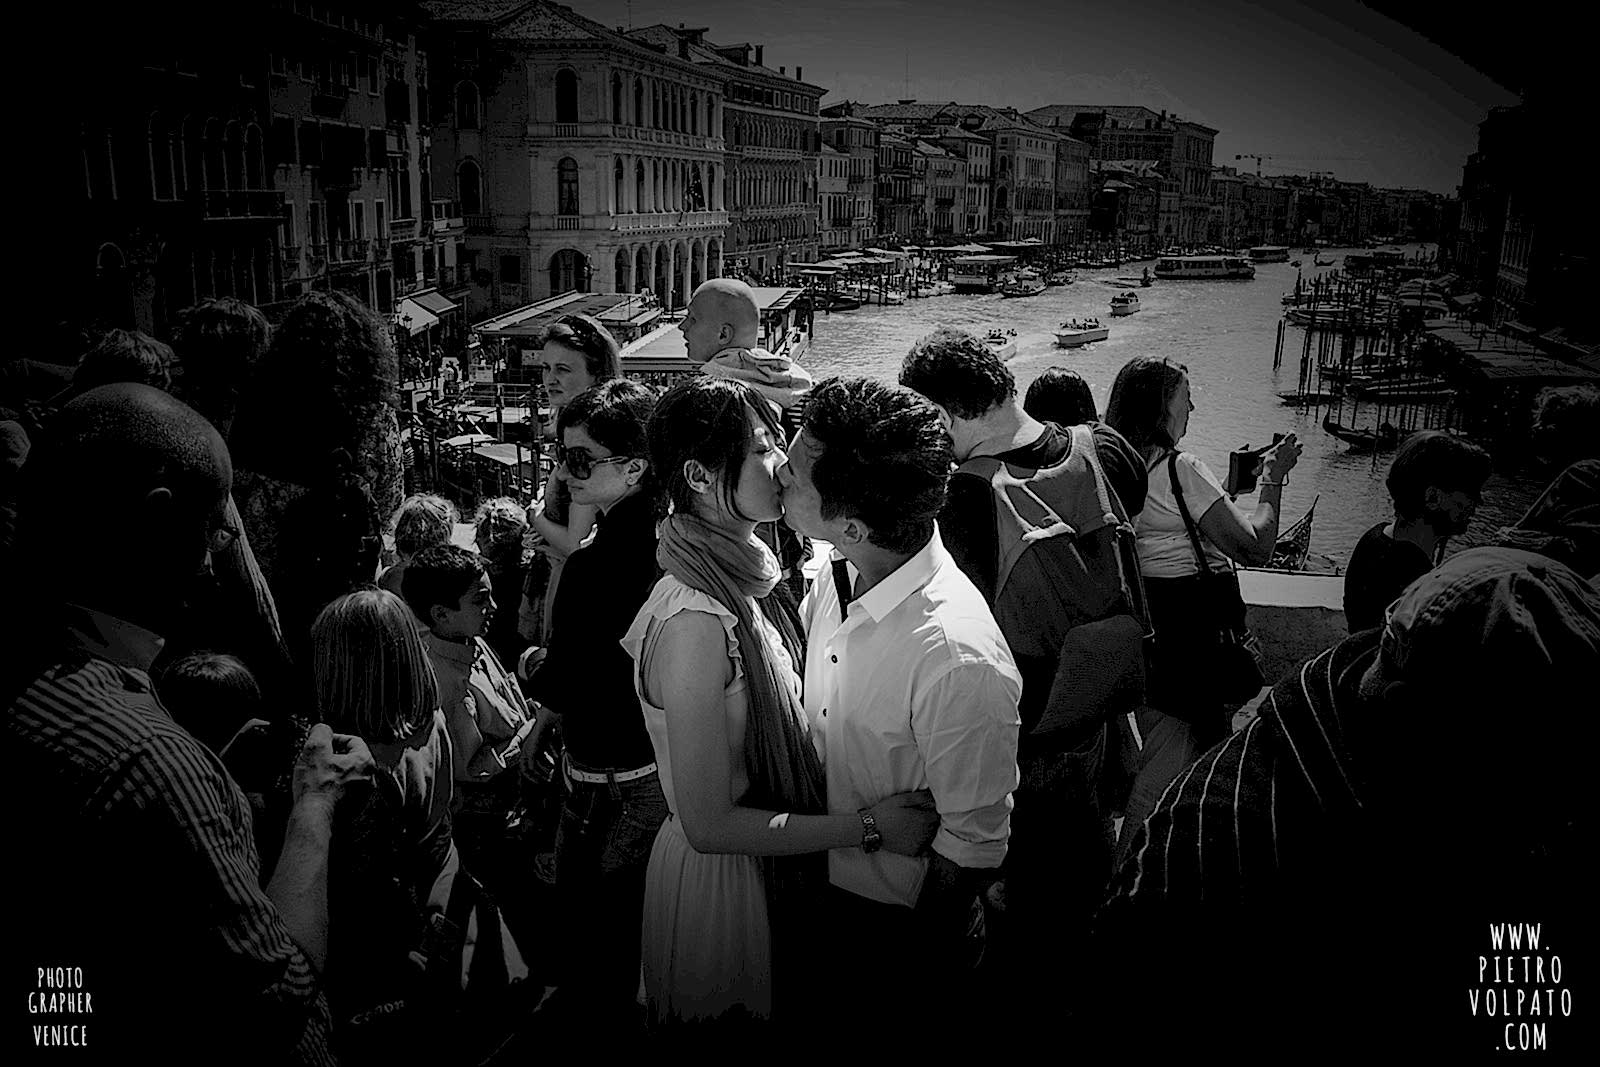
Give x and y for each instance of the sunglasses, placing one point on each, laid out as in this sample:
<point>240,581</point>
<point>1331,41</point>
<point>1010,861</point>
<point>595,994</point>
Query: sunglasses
<point>579,464</point>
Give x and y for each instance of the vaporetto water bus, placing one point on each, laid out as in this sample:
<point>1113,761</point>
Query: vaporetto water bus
<point>1204,267</point>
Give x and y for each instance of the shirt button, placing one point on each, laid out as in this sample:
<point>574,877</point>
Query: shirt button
<point>834,658</point>
<point>824,713</point>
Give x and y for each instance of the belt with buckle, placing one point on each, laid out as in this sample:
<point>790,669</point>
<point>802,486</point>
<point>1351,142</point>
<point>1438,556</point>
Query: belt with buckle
<point>606,777</point>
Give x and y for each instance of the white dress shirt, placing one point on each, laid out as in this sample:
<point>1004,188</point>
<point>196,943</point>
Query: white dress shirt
<point>914,688</point>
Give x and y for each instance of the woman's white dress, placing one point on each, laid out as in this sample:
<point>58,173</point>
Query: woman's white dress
<point>707,946</point>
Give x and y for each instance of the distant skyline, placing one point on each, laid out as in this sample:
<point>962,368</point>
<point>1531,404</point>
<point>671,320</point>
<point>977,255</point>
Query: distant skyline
<point>1333,86</point>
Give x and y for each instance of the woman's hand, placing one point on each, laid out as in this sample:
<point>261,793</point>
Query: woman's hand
<point>1281,460</point>
<point>907,822</point>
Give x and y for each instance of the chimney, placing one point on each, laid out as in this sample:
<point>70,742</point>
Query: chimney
<point>683,48</point>
<point>797,75</point>
<point>783,70</point>
<point>759,50</point>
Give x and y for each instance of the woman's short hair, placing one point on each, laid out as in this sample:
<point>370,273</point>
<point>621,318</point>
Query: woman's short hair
<point>422,521</point>
<point>125,356</point>
<point>370,670</point>
<point>710,421</point>
<point>443,575</point>
<point>884,458</point>
<point>1565,419</point>
<point>1062,396</point>
<point>501,521</point>
<point>209,694</point>
<point>616,413</point>
<point>584,334</point>
<point>959,372</point>
<point>1141,398</point>
<point>1434,458</point>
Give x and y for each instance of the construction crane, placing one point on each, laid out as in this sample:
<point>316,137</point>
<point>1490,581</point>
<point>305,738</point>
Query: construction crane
<point>1260,159</point>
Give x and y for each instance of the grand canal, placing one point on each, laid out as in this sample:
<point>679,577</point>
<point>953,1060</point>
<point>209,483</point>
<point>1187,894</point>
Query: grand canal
<point>1225,333</point>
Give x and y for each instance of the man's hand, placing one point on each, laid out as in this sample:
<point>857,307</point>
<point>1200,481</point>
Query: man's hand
<point>907,821</point>
<point>328,764</point>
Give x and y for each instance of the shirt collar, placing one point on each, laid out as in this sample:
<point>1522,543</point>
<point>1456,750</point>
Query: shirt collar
<point>906,579</point>
<point>631,511</point>
<point>457,652</point>
<point>110,638</point>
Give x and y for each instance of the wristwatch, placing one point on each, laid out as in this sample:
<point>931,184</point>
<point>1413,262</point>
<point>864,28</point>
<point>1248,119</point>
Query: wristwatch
<point>871,839</point>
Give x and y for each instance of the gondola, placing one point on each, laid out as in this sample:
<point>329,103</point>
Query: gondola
<point>1294,544</point>
<point>1386,435</point>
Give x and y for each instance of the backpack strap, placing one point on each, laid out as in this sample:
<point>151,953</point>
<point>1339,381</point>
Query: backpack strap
<point>1116,516</point>
<point>1183,509</point>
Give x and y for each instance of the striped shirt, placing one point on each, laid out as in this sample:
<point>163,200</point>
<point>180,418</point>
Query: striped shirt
<point>142,870</point>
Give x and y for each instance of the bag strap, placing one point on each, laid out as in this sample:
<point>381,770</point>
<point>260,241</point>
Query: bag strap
<point>1117,518</point>
<point>1183,509</point>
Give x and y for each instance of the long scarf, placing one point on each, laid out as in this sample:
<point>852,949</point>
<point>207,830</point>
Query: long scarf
<point>784,771</point>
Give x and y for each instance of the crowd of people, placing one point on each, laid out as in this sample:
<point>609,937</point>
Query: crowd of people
<point>621,771</point>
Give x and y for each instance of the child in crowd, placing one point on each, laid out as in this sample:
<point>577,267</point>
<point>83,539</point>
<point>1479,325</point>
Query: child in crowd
<point>420,522</point>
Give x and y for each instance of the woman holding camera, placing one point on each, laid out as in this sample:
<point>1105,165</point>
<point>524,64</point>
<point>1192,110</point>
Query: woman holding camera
<point>1188,522</point>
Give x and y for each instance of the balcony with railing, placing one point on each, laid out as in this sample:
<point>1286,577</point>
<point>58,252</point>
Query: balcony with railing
<point>479,223</point>
<point>668,220</point>
<point>640,135</point>
<point>349,252</point>
<point>257,205</point>
<point>402,229</point>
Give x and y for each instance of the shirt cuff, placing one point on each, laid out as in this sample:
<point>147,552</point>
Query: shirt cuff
<point>977,854</point>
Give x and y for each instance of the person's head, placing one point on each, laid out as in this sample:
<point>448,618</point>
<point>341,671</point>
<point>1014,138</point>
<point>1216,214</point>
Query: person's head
<point>498,527</point>
<point>421,521</point>
<point>869,467</point>
<point>605,451</point>
<point>1564,424</point>
<point>959,373</point>
<point>158,476</point>
<point>716,446</point>
<point>722,314</point>
<point>1062,396</point>
<point>1150,403</point>
<point>578,353</point>
<point>1478,663</point>
<point>1436,479</point>
<point>448,589</point>
<point>219,343</point>
<point>210,694</point>
<point>125,356</point>
<point>371,675</point>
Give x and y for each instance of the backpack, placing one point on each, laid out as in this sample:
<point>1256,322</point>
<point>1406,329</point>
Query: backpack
<point>425,967</point>
<point>1068,595</point>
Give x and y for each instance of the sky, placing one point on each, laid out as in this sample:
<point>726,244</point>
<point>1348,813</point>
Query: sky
<point>1330,86</point>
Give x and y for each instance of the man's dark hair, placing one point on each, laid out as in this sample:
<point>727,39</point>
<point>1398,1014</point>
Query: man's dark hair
<point>710,421</point>
<point>616,413</point>
<point>1438,459</point>
<point>959,372</point>
<point>1060,395</point>
<point>442,574</point>
<point>1140,396</point>
<point>219,342</point>
<point>125,356</point>
<point>885,459</point>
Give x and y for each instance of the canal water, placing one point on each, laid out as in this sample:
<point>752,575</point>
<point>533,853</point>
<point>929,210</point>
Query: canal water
<point>1224,331</point>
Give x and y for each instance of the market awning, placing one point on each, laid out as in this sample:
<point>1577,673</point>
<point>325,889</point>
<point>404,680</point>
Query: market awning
<point>1466,300</point>
<point>434,301</point>
<point>414,317</point>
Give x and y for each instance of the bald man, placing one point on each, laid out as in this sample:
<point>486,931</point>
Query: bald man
<point>143,880</point>
<point>722,330</point>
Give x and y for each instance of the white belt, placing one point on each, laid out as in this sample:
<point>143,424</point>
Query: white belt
<point>592,778</point>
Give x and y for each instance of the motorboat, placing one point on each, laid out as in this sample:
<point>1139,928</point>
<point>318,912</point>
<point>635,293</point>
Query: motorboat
<point>1023,283</point>
<point>1270,254</point>
<point>1004,343</point>
<point>1058,277</point>
<point>1323,261</point>
<point>1074,333</point>
<point>1125,303</point>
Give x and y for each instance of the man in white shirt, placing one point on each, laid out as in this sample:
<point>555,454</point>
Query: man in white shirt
<point>909,683</point>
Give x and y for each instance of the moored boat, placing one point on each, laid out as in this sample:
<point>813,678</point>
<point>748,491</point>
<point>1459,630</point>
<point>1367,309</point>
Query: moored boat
<point>1289,552</point>
<point>1385,436</point>
<point>1125,303</point>
<point>1270,254</point>
<point>1023,283</point>
<point>1322,260</point>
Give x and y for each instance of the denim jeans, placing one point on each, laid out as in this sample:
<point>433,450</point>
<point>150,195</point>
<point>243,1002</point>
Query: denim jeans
<point>603,846</point>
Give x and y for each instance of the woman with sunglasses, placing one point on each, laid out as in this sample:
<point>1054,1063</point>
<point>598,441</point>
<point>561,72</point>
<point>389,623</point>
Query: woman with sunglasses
<point>578,353</point>
<point>613,803</point>
<point>739,861</point>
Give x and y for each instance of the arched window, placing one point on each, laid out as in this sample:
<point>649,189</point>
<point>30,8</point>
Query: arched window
<point>616,99</point>
<point>683,112</point>
<point>638,186</point>
<point>215,176</point>
<point>469,187</point>
<point>99,170</point>
<point>567,187</point>
<point>568,272</point>
<point>233,157</point>
<point>1000,199</point>
<point>466,106</point>
<point>712,188</point>
<point>711,104</point>
<point>160,160</point>
<point>255,174</point>
<point>194,148</point>
<point>694,112</point>
<point>566,95</point>
<point>638,102</point>
<point>617,179</point>
<point>655,106</point>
